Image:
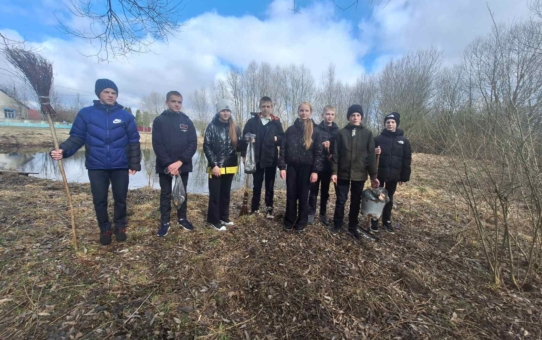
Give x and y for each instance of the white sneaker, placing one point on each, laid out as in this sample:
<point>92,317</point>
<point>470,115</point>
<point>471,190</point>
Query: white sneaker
<point>217,227</point>
<point>226,223</point>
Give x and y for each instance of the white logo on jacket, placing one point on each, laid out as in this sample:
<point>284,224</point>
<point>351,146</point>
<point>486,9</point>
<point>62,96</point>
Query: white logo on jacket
<point>401,142</point>
<point>117,121</point>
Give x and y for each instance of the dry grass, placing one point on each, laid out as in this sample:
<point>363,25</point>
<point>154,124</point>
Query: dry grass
<point>254,281</point>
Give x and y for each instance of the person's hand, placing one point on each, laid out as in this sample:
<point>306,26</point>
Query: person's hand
<point>375,183</point>
<point>174,167</point>
<point>57,155</point>
<point>216,171</point>
<point>378,150</point>
<point>314,177</point>
<point>326,144</point>
<point>402,183</point>
<point>174,172</point>
<point>132,172</point>
<point>244,159</point>
<point>334,178</point>
<point>275,138</point>
<point>283,174</point>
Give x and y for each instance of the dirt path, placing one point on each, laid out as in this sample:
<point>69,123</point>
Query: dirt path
<point>427,281</point>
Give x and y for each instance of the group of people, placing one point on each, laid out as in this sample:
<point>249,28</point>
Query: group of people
<point>309,157</point>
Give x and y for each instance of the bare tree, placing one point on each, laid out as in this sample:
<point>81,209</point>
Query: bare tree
<point>199,104</point>
<point>121,27</point>
<point>153,104</point>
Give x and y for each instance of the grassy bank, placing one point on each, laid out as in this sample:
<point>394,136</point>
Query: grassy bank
<point>19,137</point>
<point>427,281</point>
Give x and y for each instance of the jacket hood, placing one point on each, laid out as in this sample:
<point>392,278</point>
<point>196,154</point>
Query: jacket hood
<point>216,121</point>
<point>332,127</point>
<point>300,125</point>
<point>397,132</point>
<point>172,113</point>
<point>259,115</point>
<point>98,104</point>
<point>352,127</point>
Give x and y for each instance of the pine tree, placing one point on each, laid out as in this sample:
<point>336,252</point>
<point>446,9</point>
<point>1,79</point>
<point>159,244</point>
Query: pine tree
<point>138,118</point>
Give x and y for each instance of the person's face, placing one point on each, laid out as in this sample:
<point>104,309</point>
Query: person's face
<point>391,125</point>
<point>224,115</point>
<point>355,119</point>
<point>108,96</point>
<point>328,116</point>
<point>175,103</point>
<point>266,108</point>
<point>304,112</point>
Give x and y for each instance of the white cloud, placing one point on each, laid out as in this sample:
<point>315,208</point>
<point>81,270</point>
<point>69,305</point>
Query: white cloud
<point>315,37</point>
<point>399,26</point>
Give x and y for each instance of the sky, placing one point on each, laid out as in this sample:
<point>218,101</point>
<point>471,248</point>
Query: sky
<point>218,34</point>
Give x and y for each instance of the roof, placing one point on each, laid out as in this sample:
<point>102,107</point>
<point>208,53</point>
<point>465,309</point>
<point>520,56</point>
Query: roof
<point>23,104</point>
<point>34,114</point>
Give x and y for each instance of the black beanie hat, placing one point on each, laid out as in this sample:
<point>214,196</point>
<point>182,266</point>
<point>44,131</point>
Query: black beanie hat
<point>354,108</point>
<point>102,84</point>
<point>395,116</point>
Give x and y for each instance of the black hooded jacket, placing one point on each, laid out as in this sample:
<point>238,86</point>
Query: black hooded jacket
<point>217,144</point>
<point>328,133</point>
<point>396,156</point>
<point>174,138</point>
<point>294,152</point>
<point>265,146</point>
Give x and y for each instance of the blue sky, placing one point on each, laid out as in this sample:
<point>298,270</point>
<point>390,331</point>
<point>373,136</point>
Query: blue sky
<point>219,34</point>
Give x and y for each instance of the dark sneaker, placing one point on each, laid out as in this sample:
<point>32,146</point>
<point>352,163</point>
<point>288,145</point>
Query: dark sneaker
<point>389,227</point>
<point>255,212</point>
<point>334,230</point>
<point>374,226</point>
<point>269,214</point>
<point>299,229</point>
<point>164,228</point>
<point>323,219</point>
<point>183,222</point>
<point>226,223</point>
<point>217,226</point>
<point>287,228</point>
<point>311,219</point>
<point>355,233</point>
<point>120,234</point>
<point>105,237</point>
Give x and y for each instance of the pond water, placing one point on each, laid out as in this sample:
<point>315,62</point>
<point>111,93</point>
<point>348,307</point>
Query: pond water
<point>39,161</point>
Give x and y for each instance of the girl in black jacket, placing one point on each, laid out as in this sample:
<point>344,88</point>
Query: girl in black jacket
<point>301,150</point>
<point>222,142</point>
<point>394,166</point>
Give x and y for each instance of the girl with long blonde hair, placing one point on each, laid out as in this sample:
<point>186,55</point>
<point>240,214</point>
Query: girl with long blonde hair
<point>300,160</point>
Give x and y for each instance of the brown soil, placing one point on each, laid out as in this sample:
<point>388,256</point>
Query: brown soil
<point>254,281</point>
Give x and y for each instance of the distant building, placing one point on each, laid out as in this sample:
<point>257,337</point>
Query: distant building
<point>11,108</point>
<point>34,115</point>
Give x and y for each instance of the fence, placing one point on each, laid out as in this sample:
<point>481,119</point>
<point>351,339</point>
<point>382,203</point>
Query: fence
<point>32,123</point>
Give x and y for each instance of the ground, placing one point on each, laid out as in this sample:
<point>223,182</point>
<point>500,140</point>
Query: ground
<point>254,281</point>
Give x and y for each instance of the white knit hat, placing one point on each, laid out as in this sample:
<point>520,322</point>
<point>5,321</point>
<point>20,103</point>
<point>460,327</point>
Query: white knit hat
<point>223,104</point>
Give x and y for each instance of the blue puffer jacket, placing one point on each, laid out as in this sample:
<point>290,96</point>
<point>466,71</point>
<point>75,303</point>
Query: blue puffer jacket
<point>110,136</point>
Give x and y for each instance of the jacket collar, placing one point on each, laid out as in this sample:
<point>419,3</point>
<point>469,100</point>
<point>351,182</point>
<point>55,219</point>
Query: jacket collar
<point>108,108</point>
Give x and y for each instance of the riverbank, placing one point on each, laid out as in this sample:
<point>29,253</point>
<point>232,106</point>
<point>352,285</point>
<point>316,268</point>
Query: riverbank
<point>254,281</point>
<point>15,138</point>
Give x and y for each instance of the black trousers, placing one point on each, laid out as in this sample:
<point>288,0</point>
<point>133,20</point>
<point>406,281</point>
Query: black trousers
<point>297,190</point>
<point>219,198</point>
<point>342,188</point>
<point>391,187</point>
<point>99,186</point>
<point>166,182</point>
<point>325,179</point>
<point>258,177</point>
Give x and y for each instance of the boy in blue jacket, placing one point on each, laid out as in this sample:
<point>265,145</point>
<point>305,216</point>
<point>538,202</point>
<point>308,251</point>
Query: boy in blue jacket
<point>111,140</point>
<point>174,142</point>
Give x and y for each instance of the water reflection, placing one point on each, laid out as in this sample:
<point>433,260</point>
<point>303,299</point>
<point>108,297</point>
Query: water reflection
<point>39,161</point>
